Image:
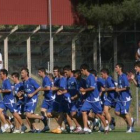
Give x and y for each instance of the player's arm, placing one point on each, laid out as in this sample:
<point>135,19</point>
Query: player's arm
<point>134,80</point>
<point>19,94</point>
<point>47,88</point>
<point>90,88</point>
<point>108,89</point>
<point>122,89</point>
<point>61,91</point>
<point>137,56</point>
<point>126,85</point>
<point>5,91</point>
<point>54,88</point>
<point>85,90</point>
<point>74,97</point>
<point>34,93</point>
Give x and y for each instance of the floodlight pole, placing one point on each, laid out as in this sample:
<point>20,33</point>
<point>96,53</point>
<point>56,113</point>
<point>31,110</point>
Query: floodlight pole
<point>6,53</point>
<point>99,37</point>
<point>51,38</point>
<point>6,47</point>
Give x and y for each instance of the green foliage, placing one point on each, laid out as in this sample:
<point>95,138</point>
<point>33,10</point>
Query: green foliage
<point>111,13</point>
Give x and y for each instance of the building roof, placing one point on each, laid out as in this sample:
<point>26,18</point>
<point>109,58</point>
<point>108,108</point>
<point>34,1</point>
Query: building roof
<point>34,12</point>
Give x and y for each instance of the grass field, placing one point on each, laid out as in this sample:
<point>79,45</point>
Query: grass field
<point>118,134</point>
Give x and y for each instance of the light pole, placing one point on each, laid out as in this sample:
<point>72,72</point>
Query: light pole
<point>99,39</point>
<point>51,38</point>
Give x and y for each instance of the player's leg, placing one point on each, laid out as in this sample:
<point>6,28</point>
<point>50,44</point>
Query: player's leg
<point>107,114</point>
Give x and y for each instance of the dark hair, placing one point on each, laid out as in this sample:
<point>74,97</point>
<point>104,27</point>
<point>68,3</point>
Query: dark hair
<point>61,71</point>
<point>56,68</point>
<point>67,67</point>
<point>4,71</point>
<point>43,70</point>
<point>105,70</point>
<point>16,74</point>
<point>77,72</point>
<point>137,64</point>
<point>84,66</point>
<point>120,65</point>
<point>93,71</point>
<point>26,69</point>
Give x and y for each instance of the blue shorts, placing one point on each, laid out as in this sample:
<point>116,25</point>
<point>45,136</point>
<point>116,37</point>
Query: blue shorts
<point>47,105</point>
<point>73,107</point>
<point>94,106</point>
<point>11,107</point>
<point>122,107</point>
<point>65,106</point>
<point>110,103</point>
<point>2,106</point>
<point>57,106</point>
<point>30,106</point>
<point>20,105</point>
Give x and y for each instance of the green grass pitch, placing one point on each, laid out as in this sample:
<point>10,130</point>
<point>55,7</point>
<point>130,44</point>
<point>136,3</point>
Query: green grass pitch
<point>114,135</point>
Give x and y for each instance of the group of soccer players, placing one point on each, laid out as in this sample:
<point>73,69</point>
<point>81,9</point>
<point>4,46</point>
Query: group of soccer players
<point>75,98</point>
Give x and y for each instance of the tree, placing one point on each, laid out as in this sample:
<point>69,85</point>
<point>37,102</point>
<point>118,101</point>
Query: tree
<point>109,12</point>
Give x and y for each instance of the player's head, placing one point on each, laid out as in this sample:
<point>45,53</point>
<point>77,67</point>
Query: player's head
<point>50,75</point>
<point>67,71</point>
<point>104,73</point>
<point>84,69</point>
<point>94,72</point>
<point>56,70</point>
<point>137,66</point>
<point>119,67</point>
<point>77,74</point>
<point>42,72</point>
<point>15,76</point>
<point>3,74</point>
<point>24,73</point>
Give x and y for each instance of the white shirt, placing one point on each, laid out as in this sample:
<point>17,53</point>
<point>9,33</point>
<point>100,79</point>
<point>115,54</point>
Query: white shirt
<point>1,62</point>
<point>138,51</point>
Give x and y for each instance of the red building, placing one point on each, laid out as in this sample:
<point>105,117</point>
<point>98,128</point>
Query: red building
<point>34,12</point>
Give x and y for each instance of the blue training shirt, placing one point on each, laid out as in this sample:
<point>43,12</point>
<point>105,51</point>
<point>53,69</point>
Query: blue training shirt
<point>7,97</point>
<point>138,79</point>
<point>17,88</point>
<point>81,84</point>
<point>92,96</point>
<point>63,86</point>
<point>29,87</point>
<point>123,83</point>
<point>56,84</point>
<point>109,83</point>
<point>48,94</point>
<point>72,86</point>
<point>101,83</point>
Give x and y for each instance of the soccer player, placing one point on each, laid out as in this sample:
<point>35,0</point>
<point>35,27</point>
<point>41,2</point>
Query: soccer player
<point>100,84</point>
<point>92,101</point>
<point>18,92</point>
<point>49,97</point>
<point>31,89</point>
<point>112,95</point>
<point>72,89</point>
<point>81,98</point>
<point>8,97</point>
<point>124,99</point>
<point>136,80</point>
<point>4,124</point>
<point>60,104</point>
<point>56,104</point>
